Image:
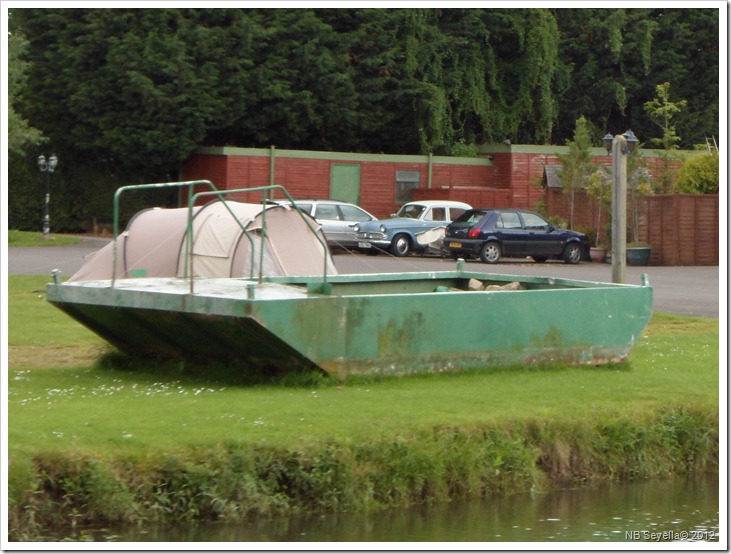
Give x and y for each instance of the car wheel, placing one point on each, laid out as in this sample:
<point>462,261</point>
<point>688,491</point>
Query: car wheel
<point>400,246</point>
<point>572,254</point>
<point>490,253</point>
<point>539,259</point>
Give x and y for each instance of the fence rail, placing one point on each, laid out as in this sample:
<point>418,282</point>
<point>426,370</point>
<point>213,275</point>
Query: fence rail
<point>682,229</point>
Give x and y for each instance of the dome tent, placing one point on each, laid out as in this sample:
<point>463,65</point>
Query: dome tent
<point>150,246</point>
<point>221,248</point>
<point>155,244</point>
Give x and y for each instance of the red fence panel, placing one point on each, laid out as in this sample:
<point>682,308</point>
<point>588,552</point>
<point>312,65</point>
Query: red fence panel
<point>682,229</point>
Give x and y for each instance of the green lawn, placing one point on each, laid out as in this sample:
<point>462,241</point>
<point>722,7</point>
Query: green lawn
<point>60,398</point>
<point>31,238</point>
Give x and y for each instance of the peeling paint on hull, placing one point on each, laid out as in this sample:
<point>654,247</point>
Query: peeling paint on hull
<point>375,323</point>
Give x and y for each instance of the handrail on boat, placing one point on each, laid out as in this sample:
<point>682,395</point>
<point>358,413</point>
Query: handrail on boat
<point>192,198</point>
<point>220,194</point>
<point>120,190</point>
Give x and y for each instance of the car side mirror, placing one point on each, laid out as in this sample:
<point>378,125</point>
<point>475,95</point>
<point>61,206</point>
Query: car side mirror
<point>393,215</point>
<point>550,228</point>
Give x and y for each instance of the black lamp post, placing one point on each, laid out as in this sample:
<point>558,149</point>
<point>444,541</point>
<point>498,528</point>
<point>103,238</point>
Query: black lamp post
<point>47,167</point>
<point>619,147</point>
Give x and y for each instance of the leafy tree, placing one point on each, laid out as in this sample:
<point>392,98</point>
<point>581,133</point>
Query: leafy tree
<point>26,205</point>
<point>699,174</point>
<point>303,96</point>
<point>663,113</point>
<point>126,95</point>
<point>611,59</point>
<point>604,55</point>
<point>599,188</point>
<point>576,165</point>
<point>143,88</point>
<point>478,75</point>
<point>20,134</point>
<point>138,88</point>
<point>528,80</point>
<point>685,52</point>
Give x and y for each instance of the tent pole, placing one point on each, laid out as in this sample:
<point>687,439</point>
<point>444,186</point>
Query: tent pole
<point>119,192</point>
<point>221,194</point>
<point>272,158</point>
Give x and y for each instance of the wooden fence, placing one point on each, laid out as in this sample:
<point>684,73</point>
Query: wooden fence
<point>682,229</point>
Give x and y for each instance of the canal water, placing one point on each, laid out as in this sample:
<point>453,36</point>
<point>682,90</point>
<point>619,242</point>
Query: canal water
<point>658,510</point>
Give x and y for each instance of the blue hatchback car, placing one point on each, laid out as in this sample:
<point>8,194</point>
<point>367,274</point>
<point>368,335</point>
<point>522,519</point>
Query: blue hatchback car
<point>490,234</point>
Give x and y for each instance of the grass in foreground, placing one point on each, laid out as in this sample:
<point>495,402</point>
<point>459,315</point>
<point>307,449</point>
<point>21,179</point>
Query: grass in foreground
<point>31,238</point>
<point>60,398</point>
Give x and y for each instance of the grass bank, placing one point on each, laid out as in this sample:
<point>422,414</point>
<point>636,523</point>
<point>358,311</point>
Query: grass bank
<point>31,238</point>
<point>97,439</point>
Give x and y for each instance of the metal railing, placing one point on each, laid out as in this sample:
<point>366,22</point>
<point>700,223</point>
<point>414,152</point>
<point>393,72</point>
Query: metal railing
<point>264,189</point>
<point>118,194</point>
<point>192,198</point>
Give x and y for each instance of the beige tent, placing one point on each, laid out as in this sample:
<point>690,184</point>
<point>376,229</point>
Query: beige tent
<point>155,244</point>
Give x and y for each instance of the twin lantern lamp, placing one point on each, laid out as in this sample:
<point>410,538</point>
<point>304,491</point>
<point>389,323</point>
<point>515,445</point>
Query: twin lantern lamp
<point>47,167</point>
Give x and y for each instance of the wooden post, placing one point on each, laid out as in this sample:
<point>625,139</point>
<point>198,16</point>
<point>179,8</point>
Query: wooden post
<point>619,209</point>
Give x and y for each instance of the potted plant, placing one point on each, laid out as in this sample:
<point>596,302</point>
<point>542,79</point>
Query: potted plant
<point>638,251</point>
<point>600,190</point>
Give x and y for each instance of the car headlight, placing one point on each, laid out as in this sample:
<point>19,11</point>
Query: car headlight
<point>356,227</point>
<point>382,228</point>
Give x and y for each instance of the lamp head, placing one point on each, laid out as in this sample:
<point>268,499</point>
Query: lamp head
<point>608,139</point>
<point>631,139</point>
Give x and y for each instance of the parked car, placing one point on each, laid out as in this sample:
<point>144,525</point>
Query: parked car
<point>493,233</point>
<point>399,234</point>
<point>336,219</point>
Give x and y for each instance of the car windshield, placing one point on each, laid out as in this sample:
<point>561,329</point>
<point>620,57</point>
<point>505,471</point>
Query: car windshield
<point>469,218</point>
<point>412,211</point>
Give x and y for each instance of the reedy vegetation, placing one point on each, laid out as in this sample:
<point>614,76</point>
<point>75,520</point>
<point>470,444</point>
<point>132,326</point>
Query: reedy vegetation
<point>235,480</point>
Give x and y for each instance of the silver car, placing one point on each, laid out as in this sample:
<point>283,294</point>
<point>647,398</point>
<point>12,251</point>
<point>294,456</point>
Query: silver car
<point>336,219</point>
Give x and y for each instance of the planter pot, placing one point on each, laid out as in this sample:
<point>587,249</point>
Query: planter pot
<point>639,255</point>
<point>598,255</point>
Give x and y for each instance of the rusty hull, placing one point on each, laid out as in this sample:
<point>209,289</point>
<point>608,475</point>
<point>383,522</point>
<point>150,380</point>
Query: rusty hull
<point>374,323</point>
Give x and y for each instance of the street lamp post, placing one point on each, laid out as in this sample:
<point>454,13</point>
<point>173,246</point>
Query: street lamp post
<point>619,147</point>
<point>47,167</point>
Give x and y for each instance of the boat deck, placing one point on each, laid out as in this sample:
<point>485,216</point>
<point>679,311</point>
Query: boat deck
<point>283,287</point>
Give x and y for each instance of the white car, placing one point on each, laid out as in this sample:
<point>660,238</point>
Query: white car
<point>401,234</point>
<point>336,219</point>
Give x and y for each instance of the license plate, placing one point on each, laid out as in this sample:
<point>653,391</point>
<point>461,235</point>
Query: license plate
<point>364,245</point>
<point>455,245</point>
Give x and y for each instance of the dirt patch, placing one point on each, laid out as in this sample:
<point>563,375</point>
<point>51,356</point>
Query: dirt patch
<point>20,357</point>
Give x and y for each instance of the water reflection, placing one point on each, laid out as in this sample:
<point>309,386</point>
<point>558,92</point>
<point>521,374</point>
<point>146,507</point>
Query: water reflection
<point>642,511</point>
